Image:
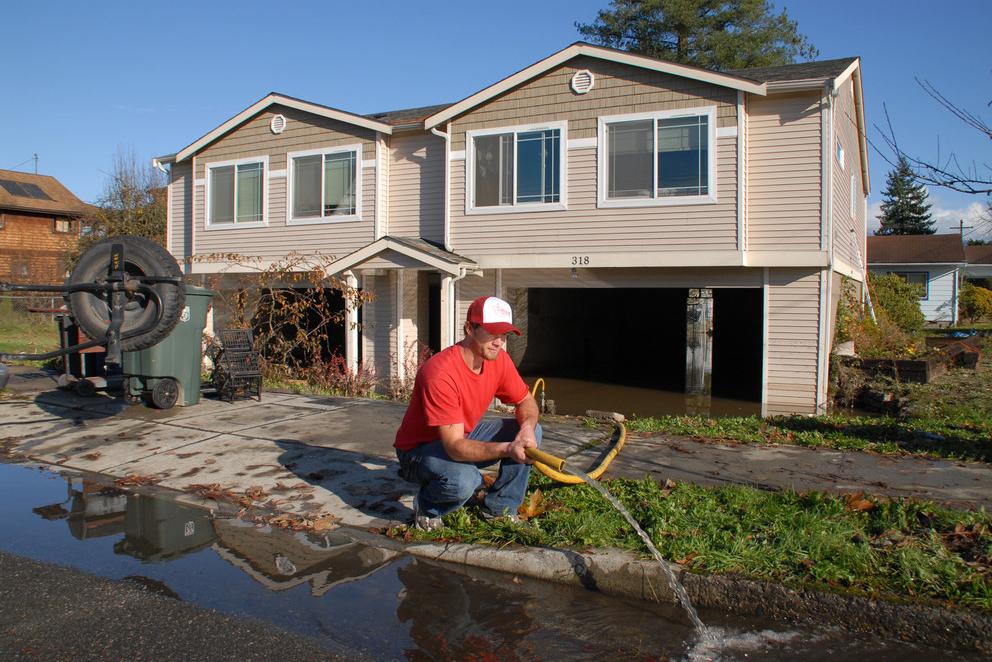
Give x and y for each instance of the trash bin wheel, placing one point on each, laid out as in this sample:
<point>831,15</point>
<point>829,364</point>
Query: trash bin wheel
<point>142,257</point>
<point>165,393</point>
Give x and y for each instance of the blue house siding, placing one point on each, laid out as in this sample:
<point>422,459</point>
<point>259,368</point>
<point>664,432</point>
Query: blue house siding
<point>940,304</point>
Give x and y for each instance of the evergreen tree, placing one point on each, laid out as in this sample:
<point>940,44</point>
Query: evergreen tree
<point>905,204</point>
<point>715,34</point>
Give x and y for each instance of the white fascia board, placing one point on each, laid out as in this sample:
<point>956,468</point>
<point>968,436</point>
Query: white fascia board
<point>859,106</point>
<point>270,100</point>
<point>165,159</point>
<point>724,258</point>
<point>916,264</point>
<point>589,50</point>
<point>804,85</point>
<point>847,73</point>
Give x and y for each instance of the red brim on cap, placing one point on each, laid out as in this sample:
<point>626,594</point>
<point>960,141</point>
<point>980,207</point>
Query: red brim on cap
<point>500,328</point>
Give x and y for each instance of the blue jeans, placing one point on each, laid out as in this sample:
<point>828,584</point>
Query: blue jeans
<point>446,484</point>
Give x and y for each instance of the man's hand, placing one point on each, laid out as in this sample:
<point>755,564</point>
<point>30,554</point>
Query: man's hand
<point>525,439</point>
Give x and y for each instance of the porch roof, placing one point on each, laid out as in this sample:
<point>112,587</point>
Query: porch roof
<point>414,248</point>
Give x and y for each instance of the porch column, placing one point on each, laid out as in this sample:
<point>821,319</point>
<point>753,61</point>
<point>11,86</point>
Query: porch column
<point>400,336</point>
<point>447,309</point>
<point>351,326</point>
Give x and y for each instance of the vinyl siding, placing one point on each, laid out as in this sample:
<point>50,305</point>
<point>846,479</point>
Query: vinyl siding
<point>784,172</point>
<point>583,227</point>
<point>619,89</point>
<point>939,304</point>
<point>848,229</point>
<point>181,211</point>
<point>793,319</point>
<point>379,324</point>
<point>254,139</point>
<point>416,186</point>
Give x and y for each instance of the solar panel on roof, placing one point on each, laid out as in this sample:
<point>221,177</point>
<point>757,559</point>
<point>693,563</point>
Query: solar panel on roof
<point>24,189</point>
<point>14,188</point>
<point>35,191</point>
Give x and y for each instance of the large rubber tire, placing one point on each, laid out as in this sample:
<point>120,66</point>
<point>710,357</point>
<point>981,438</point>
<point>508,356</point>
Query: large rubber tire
<point>142,257</point>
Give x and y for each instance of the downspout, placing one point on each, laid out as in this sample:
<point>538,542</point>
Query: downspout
<point>452,303</point>
<point>447,186</point>
<point>826,286</point>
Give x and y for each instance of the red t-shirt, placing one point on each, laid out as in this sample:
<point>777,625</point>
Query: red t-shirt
<point>447,392</point>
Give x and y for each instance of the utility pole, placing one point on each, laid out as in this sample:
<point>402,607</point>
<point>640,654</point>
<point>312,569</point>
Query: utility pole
<point>36,163</point>
<point>962,227</point>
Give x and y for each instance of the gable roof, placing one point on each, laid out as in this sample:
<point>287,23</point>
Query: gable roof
<point>599,52</point>
<point>283,100</point>
<point>821,70</point>
<point>978,254</point>
<point>413,247</point>
<point>23,191</point>
<point>916,249</point>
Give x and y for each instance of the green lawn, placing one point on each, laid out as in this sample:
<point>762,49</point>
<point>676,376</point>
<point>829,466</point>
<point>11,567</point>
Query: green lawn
<point>899,550</point>
<point>26,332</point>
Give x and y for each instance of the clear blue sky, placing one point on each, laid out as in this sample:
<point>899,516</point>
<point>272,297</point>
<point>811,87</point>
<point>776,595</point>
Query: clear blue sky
<point>82,79</point>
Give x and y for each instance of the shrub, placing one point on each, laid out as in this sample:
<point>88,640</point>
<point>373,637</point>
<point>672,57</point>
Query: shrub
<point>975,302</point>
<point>416,355</point>
<point>899,300</point>
<point>337,377</point>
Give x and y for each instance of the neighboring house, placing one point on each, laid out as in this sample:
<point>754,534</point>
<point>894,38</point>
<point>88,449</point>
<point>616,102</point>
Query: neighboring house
<point>594,190</point>
<point>979,262</point>
<point>39,224</point>
<point>933,261</point>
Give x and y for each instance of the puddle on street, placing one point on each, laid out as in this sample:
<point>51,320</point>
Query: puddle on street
<point>575,396</point>
<point>357,599</point>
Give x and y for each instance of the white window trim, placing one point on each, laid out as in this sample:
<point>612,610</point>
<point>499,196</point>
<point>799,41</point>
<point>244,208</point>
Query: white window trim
<point>525,207</point>
<point>207,224</point>
<point>711,198</point>
<point>359,190</point>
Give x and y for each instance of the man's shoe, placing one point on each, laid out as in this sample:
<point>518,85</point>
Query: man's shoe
<point>426,522</point>
<point>513,518</point>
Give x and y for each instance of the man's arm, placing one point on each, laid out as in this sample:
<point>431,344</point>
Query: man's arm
<point>527,415</point>
<point>461,449</point>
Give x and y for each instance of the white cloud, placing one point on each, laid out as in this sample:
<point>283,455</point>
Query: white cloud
<point>974,214</point>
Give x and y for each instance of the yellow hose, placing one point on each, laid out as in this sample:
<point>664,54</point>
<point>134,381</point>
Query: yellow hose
<point>542,460</point>
<point>540,381</point>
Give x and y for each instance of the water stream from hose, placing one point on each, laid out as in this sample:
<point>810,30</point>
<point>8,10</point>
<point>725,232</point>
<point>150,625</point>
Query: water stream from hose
<point>673,581</point>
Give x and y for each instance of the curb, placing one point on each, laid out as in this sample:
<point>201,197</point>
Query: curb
<point>620,573</point>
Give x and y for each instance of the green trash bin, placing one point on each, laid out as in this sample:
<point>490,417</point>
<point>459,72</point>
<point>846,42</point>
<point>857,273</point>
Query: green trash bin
<point>169,373</point>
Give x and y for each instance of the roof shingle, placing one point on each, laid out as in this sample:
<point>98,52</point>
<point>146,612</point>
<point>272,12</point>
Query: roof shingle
<point>802,71</point>
<point>916,249</point>
<point>60,200</point>
<point>978,254</point>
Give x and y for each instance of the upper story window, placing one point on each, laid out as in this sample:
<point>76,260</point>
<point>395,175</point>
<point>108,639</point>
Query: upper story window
<point>840,153</point>
<point>325,184</point>
<point>657,158</point>
<point>516,168</point>
<point>236,193</point>
<point>61,225</point>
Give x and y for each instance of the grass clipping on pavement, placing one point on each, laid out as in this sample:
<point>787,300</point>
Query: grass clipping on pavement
<point>898,550</point>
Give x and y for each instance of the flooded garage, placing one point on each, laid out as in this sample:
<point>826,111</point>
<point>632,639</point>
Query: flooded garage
<point>643,351</point>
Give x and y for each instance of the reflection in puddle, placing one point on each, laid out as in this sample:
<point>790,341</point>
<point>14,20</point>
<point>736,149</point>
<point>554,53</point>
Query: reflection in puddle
<point>357,600</point>
<point>575,396</point>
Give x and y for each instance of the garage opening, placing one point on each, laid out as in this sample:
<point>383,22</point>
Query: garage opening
<point>625,349</point>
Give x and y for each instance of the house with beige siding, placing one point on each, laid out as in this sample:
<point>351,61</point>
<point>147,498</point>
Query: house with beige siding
<point>607,196</point>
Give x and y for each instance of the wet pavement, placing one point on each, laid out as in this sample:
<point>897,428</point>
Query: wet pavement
<point>184,581</point>
<point>309,455</point>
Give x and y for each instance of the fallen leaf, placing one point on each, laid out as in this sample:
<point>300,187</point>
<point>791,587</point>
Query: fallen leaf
<point>532,506</point>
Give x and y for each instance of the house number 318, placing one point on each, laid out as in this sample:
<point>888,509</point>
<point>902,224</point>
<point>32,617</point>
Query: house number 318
<point>579,259</point>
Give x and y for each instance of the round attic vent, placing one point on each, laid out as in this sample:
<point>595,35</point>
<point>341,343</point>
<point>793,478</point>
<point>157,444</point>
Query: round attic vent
<point>582,81</point>
<point>278,124</point>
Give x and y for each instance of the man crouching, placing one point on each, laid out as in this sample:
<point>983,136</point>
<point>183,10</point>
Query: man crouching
<point>452,391</point>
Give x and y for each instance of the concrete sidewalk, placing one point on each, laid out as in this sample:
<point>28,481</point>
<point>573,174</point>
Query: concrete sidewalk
<point>334,455</point>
